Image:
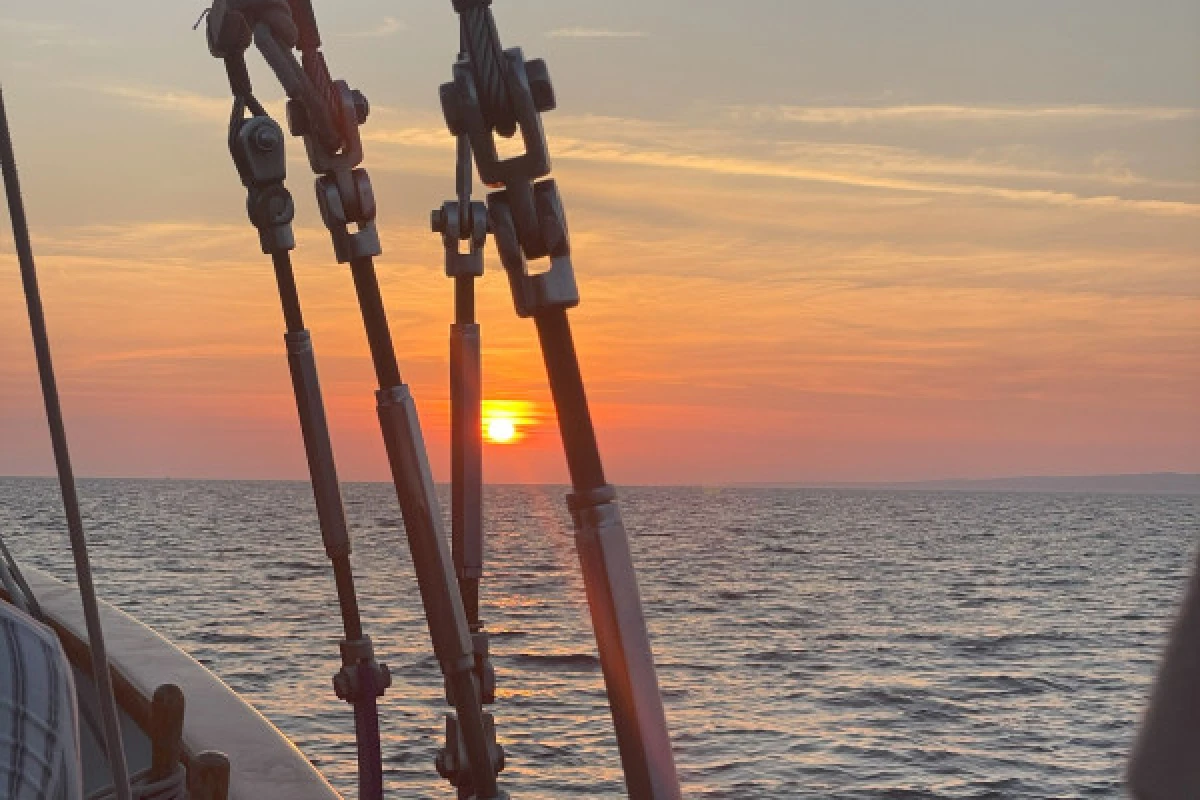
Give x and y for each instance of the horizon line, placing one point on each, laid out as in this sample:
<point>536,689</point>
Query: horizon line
<point>916,483</point>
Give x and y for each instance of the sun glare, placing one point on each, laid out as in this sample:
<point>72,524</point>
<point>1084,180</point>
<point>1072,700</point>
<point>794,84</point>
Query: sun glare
<point>501,431</point>
<point>504,421</point>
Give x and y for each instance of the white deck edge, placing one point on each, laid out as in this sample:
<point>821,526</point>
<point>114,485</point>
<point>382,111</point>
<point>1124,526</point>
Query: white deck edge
<point>264,764</point>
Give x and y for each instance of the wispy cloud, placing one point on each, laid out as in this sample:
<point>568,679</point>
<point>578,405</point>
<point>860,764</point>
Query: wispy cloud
<point>40,33</point>
<point>30,26</point>
<point>189,104</point>
<point>432,136</point>
<point>886,168</point>
<point>387,27</point>
<point>922,114</point>
<point>724,152</point>
<point>184,105</point>
<point>733,165</point>
<point>594,33</point>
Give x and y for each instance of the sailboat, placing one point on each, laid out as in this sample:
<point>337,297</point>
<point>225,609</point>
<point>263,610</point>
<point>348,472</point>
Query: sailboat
<point>154,723</point>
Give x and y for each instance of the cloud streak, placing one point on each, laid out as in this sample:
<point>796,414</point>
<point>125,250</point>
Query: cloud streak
<point>30,27</point>
<point>39,33</point>
<point>594,33</point>
<point>880,168</point>
<point>934,114</point>
<point>186,104</point>
<point>617,153</point>
<point>860,166</point>
<point>387,27</point>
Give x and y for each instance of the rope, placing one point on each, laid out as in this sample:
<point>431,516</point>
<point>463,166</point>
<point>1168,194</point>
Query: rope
<point>62,459</point>
<point>172,787</point>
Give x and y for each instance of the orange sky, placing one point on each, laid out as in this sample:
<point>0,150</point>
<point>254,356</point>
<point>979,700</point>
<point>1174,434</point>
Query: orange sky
<point>798,287</point>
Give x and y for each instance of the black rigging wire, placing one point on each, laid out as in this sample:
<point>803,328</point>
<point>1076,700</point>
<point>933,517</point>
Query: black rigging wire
<point>23,596</point>
<point>62,460</point>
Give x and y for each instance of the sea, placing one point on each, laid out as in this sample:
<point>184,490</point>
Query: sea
<point>810,643</point>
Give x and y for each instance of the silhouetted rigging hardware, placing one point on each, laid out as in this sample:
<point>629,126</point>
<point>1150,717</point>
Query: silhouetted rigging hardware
<point>327,114</point>
<point>462,221</point>
<point>257,146</point>
<point>497,91</point>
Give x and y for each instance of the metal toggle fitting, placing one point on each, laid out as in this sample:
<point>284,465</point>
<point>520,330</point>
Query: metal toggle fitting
<point>231,22</point>
<point>344,193</point>
<point>257,147</point>
<point>354,109</point>
<point>531,93</point>
<point>457,227</point>
<point>529,222</point>
<point>227,30</point>
<point>347,204</point>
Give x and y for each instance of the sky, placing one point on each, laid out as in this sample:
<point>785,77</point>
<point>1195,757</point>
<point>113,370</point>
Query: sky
<point>816,241</point>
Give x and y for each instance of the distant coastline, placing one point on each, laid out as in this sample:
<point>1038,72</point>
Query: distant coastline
<point>1135,483</point>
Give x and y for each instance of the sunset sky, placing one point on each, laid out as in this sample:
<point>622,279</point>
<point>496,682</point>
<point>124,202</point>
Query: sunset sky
<point>835,241</point>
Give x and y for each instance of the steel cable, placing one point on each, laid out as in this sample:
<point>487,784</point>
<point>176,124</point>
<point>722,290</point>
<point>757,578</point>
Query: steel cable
<point>487,61</point>
<point>276,14</point>
<point>22,596</point>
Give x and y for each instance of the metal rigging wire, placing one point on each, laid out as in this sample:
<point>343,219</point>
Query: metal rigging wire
<point>496,90</point>
<point>487,56</point>
<point>15,584</point>
<point>62,460</point>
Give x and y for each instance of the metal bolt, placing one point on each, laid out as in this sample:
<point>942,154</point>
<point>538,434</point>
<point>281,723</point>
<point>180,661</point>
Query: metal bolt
<point>267,138</point>
<point>362,108</point>
<point>280,208</point>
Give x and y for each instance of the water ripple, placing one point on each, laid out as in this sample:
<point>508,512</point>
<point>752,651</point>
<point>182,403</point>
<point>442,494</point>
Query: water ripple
<point>844,644</point>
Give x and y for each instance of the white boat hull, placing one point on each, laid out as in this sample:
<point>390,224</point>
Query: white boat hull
<point>264,764</point>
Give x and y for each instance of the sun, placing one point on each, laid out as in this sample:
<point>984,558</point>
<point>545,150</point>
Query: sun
<point>500,430</point>
<point>508,421</point>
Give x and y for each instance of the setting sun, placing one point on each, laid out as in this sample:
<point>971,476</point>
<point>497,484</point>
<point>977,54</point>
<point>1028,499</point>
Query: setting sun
<point>505,421</point>
<point>501,431</point>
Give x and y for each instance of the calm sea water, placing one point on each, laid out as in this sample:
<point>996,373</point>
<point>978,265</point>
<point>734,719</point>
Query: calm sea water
<point>848,644</point>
